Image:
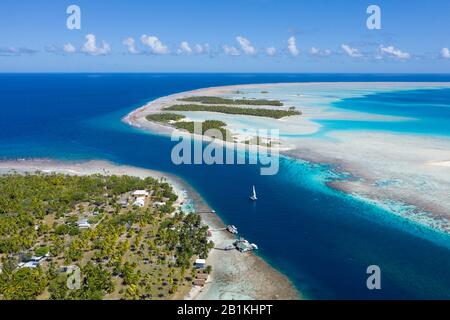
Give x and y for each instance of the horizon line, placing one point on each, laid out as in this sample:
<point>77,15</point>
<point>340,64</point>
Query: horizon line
<point>228,73</point>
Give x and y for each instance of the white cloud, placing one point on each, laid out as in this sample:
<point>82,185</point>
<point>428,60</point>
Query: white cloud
<point>314,50</point>
<point>69,48</point>
<point>185,48</point>
<point>130,43</point>
<point>318,52</point>
<point>394,53</point>
<point>271,51</point>
<point>351,52</point>
<point>14,51</point>
<point>202,48</point>
<point>292,46</point>
<point>445,53</point>
<point>199,48</point>
<point>90,46</point>
<point>378,57</point>
<point>155,45</point>
<point>231,51</point>
<point>246,46</point>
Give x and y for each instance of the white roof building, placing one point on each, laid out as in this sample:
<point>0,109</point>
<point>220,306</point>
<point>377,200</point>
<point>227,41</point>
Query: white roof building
<point>84,224</point>
<point>200,262</point>
<point>140,202</point>
<point>141,193</point>
<point>159,203</point>
<point>123,202</point>
<point>36,259</point>
<point>29,264</point>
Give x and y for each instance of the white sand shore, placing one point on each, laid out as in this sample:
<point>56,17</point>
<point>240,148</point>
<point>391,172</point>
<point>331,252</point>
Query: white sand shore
<point>234,275</point>
<point>386,167</point>
<point>439,163</point>
<point>295,125</point>
<point>137,119</point>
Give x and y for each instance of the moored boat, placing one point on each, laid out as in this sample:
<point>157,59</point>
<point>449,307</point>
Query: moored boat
<point>232,229</point>
<point>253,197</point>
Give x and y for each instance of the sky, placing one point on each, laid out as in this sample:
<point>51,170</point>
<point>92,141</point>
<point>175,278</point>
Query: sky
<point>326,36</point>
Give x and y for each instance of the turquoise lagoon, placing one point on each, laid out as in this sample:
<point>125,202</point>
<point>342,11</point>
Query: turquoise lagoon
<point>322,239</point>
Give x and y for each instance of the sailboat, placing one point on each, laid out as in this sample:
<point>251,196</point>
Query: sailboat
<point>253,196</point>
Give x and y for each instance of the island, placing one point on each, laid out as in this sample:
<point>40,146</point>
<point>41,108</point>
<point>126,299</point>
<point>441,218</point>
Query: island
<point>95,230</point>
<point>405,173</point>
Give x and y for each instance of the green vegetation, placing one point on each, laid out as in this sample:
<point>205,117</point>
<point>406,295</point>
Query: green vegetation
<point>268,113</point>
<point>190,126</point>
<point>205,126</point>
<point>219,100</point>
<point>127,253</point>
<point>165,117</point>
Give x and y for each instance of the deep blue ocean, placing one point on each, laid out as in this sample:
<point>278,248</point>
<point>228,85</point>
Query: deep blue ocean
<point>321,239</point>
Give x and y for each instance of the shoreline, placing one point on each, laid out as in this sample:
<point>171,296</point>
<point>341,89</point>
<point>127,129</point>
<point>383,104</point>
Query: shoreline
<point>134,117</point>
<point>413,175</point>
<point>225,282</point>
<point>261,281</point>
<point>306,123</point>
<point>137,117</point>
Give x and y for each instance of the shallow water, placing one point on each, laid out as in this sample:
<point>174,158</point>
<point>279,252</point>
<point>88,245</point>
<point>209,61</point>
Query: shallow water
<point>322,239</point>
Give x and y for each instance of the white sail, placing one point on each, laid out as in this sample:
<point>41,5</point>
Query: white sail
<point>253,196</point>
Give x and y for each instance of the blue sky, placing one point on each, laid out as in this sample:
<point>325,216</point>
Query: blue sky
<point>225,36</point>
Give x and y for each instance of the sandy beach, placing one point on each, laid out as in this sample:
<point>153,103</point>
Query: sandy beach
<point>294,125</point>
<point>304,124</point>
<point>410,170</point>
<point>235,276</point>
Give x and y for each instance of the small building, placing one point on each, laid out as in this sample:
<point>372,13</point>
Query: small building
<point>200,263</point>
<point>29,264</point>
<point>123,202</point>
<point>140,193</point>
<point>140,202</point>
<point>199,282</point>
<point>84,224</point>
<point>159,204</point>
<point>203,276</point>
<point>36,259</point>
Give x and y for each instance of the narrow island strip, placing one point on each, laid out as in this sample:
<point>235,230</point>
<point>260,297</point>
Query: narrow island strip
<point>405,174</point>
<point>165,115</point>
